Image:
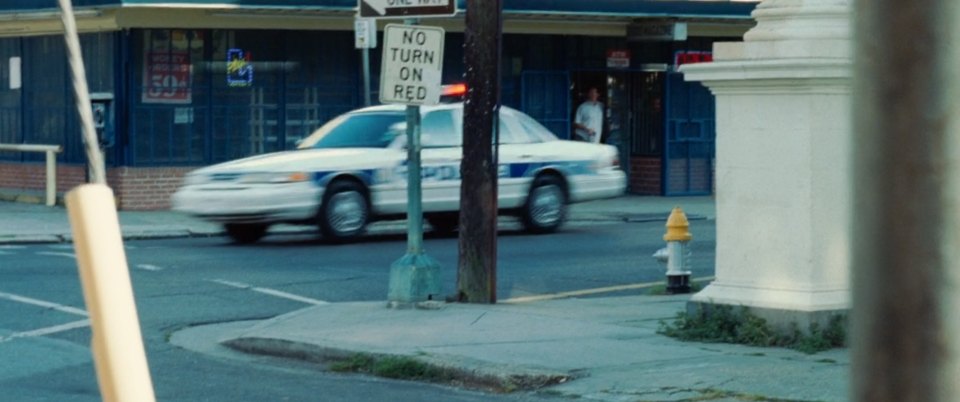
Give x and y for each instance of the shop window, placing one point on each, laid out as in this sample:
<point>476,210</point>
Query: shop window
<point>168,115</point>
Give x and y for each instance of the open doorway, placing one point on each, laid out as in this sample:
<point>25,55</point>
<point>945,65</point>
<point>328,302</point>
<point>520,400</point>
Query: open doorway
<point>633,119</point>
<point>580,84</point>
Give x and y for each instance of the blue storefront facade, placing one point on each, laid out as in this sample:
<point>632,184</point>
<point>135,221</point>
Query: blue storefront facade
<point>198,82</point>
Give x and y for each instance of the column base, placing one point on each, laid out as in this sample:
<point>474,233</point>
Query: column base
<point>782,308</point>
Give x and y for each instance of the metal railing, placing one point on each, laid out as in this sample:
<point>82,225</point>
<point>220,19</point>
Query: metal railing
<point>51,176</point>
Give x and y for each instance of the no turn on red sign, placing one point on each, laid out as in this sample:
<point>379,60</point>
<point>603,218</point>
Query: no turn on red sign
<point>412,64</point>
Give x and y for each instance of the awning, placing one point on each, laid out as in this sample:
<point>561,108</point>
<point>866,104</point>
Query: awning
<point>531,9</point>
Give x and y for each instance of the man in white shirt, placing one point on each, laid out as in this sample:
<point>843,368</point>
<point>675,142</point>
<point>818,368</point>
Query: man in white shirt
<point>589,119</point>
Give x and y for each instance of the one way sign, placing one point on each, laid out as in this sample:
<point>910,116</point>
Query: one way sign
<point>406,8</point>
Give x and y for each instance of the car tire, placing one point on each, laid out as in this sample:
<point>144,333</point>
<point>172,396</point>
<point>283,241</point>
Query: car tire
<point>545,209</point>
<point>246,233</point>
<point>444,223</point>
<point>344,212</point>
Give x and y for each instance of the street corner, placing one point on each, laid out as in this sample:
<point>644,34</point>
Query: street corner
<point>369,338</point>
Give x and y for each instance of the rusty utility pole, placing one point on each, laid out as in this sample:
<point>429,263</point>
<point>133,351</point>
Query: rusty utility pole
<point>906,227</point>
<point>477,266</point>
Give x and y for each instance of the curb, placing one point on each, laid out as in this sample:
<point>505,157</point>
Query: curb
<point>462,372</point>
<point>31,239</point>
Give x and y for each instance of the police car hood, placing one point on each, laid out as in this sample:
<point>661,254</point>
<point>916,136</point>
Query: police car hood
<point>310,160</point>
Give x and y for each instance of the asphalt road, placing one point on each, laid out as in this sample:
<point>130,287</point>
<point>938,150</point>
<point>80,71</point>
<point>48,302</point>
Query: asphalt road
<point>44,338</point>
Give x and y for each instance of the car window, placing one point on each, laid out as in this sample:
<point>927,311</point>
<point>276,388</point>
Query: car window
<point>533,128</point>
<point>357,130</point>
<point>438,129</point>
<point>510,131</point>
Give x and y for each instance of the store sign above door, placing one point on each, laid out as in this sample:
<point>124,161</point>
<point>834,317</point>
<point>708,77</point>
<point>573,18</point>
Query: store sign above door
<point>657,31</point>
<point>406,8</point>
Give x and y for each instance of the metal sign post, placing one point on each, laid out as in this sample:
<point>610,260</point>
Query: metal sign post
<point>410,75</point>
<point>365,37</point>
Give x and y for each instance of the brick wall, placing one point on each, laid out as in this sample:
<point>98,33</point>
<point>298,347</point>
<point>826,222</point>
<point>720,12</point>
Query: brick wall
<point>136,188</point>
<point>145,188</point>
<point>645,175</point>
<point>32,176</point>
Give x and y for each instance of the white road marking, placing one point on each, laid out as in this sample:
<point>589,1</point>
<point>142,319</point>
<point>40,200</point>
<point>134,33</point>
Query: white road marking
<point>46,304</point>
<point>271,292</point>
<point>584,292</point>
<point>149,267</point>
<point>4,248</point>
<point>46,331</point>
<point>57,254</point>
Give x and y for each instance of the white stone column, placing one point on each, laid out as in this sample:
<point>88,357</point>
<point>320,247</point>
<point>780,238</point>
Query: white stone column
<point>783,159</point>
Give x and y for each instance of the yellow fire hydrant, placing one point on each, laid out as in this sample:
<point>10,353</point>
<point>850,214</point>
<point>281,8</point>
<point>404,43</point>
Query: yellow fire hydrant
<point>678,238</point>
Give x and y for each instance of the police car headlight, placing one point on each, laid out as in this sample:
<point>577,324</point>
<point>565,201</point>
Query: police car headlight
<point>285,177</point>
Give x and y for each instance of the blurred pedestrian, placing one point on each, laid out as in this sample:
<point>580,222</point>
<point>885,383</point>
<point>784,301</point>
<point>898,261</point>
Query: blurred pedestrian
<point>588,121</point>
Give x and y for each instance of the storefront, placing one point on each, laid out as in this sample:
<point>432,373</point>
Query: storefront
<point>194,86</point>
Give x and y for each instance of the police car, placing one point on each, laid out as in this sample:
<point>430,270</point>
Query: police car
<point>353,170</point>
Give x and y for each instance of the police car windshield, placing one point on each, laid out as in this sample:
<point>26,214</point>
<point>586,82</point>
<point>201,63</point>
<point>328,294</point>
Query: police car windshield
<point>360,130</point>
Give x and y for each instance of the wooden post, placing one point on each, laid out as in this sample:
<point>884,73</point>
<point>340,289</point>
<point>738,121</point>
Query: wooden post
<point>477,265</point>
<point>906,226</point>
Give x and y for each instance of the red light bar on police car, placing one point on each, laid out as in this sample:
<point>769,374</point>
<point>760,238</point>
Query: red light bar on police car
<point>454,90</point>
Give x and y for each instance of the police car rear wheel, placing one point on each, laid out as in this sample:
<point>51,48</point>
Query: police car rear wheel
<point>545,209</point>
<point>245,233</point>
<point>344,212</point>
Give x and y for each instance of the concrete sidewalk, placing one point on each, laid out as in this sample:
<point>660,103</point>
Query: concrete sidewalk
<point>595,349</point>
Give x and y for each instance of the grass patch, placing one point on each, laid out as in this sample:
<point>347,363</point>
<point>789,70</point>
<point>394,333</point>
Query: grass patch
<point>358,363</point>
<point>725,324</point>
<point>397,367</point>
<point>412,369</point>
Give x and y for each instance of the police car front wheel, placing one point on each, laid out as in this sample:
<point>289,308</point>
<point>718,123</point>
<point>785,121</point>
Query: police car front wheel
<point>344,212</point>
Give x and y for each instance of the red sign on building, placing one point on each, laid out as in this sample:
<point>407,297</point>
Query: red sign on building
<point>618,58</point>
<point>166,78</point>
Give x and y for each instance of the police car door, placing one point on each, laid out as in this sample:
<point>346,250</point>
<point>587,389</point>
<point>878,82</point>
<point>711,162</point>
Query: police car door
<point>441,140</point>
<point>519,159</point>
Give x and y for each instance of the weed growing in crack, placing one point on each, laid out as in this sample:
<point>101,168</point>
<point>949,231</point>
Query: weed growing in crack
<point>728,325</point>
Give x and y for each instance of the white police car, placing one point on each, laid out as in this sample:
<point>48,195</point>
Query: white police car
<point>352,171</point>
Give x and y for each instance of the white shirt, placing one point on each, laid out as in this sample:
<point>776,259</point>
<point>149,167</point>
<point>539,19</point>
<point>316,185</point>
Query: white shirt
<point>590,114</point>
